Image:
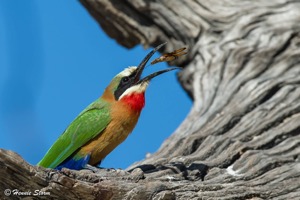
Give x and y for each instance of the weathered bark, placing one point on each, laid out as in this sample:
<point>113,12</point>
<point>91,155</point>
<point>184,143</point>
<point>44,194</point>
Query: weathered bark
<point>241,139</point>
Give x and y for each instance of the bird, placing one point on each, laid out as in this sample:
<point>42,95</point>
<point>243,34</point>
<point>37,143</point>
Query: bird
<point>105,123</point>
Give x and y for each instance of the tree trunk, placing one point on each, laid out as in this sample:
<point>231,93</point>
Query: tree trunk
<point>241,139</point>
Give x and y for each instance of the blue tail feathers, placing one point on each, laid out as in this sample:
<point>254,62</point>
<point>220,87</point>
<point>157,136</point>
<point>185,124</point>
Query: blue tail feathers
<point>73,163</point>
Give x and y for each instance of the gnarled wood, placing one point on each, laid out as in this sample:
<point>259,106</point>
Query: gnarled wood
<point>241,139</point>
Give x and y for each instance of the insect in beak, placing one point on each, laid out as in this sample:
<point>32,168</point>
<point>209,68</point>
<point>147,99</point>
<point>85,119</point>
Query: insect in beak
<point>170,56</point>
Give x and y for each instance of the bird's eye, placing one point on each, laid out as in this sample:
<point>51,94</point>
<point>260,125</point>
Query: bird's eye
<point>125,79</point>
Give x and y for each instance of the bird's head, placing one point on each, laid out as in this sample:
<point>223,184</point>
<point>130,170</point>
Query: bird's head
<point>129,87</point>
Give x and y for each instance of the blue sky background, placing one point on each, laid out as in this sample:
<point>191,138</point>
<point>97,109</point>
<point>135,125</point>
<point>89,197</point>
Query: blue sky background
<point>54,61</point>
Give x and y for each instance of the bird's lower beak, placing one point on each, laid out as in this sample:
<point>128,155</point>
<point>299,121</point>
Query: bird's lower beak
<point>151,76</point>
<point>142,66</point>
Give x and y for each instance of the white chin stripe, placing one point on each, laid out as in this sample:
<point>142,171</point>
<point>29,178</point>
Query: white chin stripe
<point>140,88</point>
<point>127,71</point>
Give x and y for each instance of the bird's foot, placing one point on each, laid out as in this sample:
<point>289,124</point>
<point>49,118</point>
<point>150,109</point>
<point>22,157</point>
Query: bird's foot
<point>92,168</point>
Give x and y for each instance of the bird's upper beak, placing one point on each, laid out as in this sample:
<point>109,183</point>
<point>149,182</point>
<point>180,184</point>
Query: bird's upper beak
<point>142,66</point>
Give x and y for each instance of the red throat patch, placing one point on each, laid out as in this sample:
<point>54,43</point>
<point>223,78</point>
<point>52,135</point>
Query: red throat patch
<point>135,100</point>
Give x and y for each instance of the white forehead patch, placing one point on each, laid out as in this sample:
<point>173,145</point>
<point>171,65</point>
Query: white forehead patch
<point>140,88</point>
<point>127,71</point>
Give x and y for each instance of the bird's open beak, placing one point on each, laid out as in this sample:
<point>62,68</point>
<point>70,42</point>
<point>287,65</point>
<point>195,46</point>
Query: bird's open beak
<point>142,66</point>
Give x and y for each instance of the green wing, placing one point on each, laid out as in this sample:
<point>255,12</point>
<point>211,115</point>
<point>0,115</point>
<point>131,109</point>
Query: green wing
<point>89,123</point>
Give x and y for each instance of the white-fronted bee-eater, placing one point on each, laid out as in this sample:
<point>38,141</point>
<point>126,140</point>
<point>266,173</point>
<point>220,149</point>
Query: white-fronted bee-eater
<point>105,123</point>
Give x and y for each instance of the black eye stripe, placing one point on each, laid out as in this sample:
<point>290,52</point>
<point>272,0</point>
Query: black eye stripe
<point>125,83</point>
<point>125,79</point>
